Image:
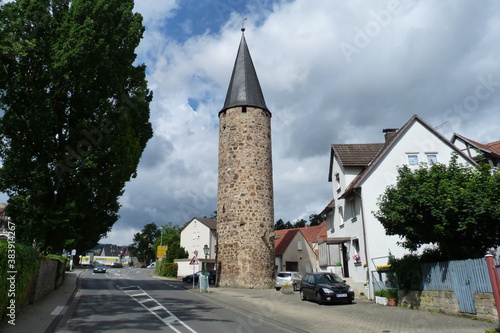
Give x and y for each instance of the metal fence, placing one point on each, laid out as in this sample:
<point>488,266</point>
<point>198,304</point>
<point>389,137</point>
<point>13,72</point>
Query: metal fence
<point>463,277</point>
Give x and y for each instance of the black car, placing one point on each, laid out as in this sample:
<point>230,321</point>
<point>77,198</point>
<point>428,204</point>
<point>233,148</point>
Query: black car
<point>196,277</point>
<point>99,268</point>
<point>326,288</point>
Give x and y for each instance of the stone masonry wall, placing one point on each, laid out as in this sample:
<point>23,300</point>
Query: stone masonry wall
<point>446,302</point>
<point>245,208</point>
<point>45,279</point>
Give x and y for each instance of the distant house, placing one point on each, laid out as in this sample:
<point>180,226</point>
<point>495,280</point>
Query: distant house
<point>359,174</point>
<point>314,235</point>
<point>489,152</point>
<point>293,252</point>
<point>4,222</point>
<point>112,250</point>
<point>196,234</point>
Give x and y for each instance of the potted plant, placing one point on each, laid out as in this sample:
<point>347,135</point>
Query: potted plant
<point>392,296</point>
<point>357,258</point>
<point>384,268</point>
<point>381,296</point>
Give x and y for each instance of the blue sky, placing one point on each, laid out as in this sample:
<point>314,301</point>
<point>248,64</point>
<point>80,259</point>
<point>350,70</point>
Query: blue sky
<point>331,72</point>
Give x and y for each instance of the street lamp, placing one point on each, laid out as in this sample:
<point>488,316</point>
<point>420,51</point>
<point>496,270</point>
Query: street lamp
<point>206,251</point>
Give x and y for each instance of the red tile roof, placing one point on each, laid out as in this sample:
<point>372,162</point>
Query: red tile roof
<point>314,234</point>
<point>494,146</point>
<point>281,243</point>
<point>311,234</point>
<point>491,148</point>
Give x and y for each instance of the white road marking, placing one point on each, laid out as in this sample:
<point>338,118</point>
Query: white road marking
<point>57,311</point>
<point>155,307</point>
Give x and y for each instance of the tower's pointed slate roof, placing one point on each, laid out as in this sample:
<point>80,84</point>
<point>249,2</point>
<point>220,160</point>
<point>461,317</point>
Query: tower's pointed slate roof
<point>244,87</point>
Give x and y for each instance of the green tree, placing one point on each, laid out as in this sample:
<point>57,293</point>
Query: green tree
<point>279,225</point>
<point>75,116</point>
<point>170,235</point>
<point>316,219</point>
<point>144,243</point>
<point>455,207</point>
<point>300,223</point>
<point>213,215</point>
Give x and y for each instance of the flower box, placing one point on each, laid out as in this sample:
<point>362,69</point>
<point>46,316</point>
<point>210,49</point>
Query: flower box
<point>381,300</point>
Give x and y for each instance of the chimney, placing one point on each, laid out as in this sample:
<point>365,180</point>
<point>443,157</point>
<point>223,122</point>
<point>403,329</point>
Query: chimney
<point>390,133</point>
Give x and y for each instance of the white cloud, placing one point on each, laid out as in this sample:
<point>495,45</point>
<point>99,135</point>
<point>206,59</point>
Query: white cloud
<point>423,58</point>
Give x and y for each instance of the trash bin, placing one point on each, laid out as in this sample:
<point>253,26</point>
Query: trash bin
<point>203,280</point>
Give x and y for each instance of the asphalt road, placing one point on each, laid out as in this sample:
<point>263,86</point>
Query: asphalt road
<point>129,300</point>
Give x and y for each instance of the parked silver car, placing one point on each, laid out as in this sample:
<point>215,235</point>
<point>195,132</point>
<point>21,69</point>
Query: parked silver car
<point>292,278</point>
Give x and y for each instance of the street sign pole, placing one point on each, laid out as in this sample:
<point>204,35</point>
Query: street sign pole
<point>194,262</point>
<point>193,276</point>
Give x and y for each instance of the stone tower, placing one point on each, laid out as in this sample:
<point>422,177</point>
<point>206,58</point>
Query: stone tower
<point>245,208</point>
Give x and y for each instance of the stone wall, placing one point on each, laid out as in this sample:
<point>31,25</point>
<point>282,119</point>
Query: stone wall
<point>45,280</point>
<point>446,302</point>
<point>485,306</point>
<point>245,208</point>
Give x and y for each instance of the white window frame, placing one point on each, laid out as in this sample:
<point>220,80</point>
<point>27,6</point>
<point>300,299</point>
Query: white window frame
<point>341,215</point>
<point>337,180</point>
<point>429,162</point>
<point>412,155</point>
<point>352,204</point>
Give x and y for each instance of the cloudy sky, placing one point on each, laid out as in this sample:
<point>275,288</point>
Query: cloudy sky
<point>330,71</point>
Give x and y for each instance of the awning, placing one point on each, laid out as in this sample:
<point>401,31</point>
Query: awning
<point>336,240</point>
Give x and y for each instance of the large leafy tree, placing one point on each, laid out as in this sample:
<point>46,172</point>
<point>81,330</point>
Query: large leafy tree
<point>170,235</point>
<point>452,206</point>
<point>143,247</point>
<point>75,116</point>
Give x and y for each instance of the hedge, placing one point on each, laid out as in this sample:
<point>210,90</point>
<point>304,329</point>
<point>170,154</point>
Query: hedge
<point>22,262</point>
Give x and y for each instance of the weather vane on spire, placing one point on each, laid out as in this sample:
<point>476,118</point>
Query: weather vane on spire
<point>243,24</point>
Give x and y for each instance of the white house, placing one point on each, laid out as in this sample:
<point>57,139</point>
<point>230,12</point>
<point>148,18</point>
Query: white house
<point>196,234</point>
<point>359,174</point>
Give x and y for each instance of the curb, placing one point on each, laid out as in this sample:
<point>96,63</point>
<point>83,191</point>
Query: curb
<point>55,323</point>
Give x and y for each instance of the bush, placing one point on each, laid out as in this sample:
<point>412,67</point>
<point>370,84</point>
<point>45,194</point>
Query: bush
<point>168,269</point>
<point>26,263</point>
<point>381,293</point>
<point>408,271</point>
<point>495,330</point>
<point>392,293</point>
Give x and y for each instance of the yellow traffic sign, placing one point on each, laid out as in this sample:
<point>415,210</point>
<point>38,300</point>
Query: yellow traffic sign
<point>161,251</point>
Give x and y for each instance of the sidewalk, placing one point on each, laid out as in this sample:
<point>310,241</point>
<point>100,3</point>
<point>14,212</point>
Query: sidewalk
<point>362,316</point>
<point>44,315</point>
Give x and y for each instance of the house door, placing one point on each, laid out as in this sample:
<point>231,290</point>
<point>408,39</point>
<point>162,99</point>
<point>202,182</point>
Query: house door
<point>345,260</point>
